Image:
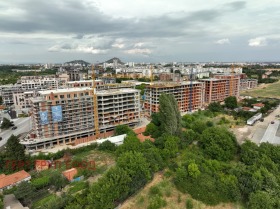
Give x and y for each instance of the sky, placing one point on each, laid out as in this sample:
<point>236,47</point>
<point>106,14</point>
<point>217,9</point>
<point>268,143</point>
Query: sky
<point>139,31</point>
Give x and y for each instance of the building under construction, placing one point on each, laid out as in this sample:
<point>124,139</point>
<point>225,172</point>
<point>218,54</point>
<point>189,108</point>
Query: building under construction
<point>232,83</point>
<point>214,90</point>
<point>66,116</point>
<point>189,95</point>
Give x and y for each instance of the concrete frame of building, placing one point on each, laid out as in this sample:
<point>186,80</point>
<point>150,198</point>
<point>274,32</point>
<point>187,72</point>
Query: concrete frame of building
<point>115,107</point>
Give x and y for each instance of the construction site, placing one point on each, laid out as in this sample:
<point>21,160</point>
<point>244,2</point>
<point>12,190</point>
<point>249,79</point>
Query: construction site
<point>189,95</point>
<point>68,116</point>
<point>84,111</point>
<point>79,115</point>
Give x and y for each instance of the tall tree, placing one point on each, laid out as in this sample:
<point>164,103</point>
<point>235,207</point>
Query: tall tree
<point>169,115</point>
<point>6,123</point>
<point>218,143</point>
<point>14,150</point>
<point>231,102</point>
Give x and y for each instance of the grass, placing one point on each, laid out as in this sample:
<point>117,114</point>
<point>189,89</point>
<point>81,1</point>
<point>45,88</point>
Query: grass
<point>77,186</point>
<point>268,91</point>
<point>43,201</point>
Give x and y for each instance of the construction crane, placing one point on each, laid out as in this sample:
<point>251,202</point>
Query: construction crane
<point>151,77</point>
<point>95,103</point>
<point>231,81</point>
<point>191,90</point>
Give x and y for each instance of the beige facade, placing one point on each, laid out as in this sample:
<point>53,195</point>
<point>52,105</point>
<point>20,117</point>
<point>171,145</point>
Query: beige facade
<point>189,97</point>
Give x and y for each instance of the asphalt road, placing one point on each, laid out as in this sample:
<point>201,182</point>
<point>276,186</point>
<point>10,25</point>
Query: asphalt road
<point>23,125</point>
<point>270,133</point>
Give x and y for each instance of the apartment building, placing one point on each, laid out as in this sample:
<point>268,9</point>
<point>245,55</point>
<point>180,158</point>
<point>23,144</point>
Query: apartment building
<point>21,99</point>
<point>66,116</point>
<point>232,83</point>
<point>7,93</point>
<point>214,90</point>
<point>248,84</point>
<point>188,95</point>
<point>39,82</point>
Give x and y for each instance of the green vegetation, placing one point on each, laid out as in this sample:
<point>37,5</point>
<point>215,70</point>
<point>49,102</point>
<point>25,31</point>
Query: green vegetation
<point>268,91</point>
<point>10,77</point>
<point>6,123</point>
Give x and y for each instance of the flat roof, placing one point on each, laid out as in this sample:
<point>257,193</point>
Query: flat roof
<point>212,79</point>
<point>84,81</point>
<point>99,92</point>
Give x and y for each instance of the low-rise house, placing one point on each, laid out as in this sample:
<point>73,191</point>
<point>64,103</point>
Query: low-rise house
<point>8,181</point>
<point>69,174</point>
<point>258,106</point>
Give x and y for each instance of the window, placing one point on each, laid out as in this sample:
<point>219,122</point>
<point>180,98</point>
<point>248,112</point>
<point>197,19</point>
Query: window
<point>68,95</point>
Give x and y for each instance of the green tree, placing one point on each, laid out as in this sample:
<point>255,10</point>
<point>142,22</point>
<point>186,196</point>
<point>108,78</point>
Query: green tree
<point>260,200</point>
<point>170,147</point>
<point>131,143</point>
<point>25,192</point>
<point>137,167</point>
<point>114,187</point>
<point>6,123</point>
<point>215,107</point>
<point>15,151</point>
<point>193,170</point>
<point>231,102</point>
<point>107,146</point>
<point>123,129</point>
<point>57,180</point>
<point>218,143</point>
<point>169,115</point>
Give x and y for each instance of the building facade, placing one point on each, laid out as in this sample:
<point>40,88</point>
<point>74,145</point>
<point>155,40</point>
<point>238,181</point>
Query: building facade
<point>189,96</point>
<point>214,90</point>
<point>66,116</point>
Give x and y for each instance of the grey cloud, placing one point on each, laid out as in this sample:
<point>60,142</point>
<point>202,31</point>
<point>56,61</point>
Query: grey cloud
<point>72,16</point>
<point>237,5</point>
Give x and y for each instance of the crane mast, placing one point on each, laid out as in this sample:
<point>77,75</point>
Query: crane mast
<point>151,77</point>
<point>95,104</point>
<point>231,81</point>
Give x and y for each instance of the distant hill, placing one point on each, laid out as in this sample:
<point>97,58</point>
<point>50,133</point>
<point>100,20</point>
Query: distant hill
<point>81,62</point>
<point>112,61</point>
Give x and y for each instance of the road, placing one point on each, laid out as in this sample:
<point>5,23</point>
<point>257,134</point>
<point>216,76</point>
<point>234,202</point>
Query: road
<point>256,132</point>
<point>271,132</point>
<point>23,125</point>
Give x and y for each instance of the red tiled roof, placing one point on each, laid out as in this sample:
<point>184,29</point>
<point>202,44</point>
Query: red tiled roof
<point>259,105</point>
<point>13,178</point>
<point>142,138</point>
<point>139,130</point>
<point>69,174</point>
<point>246,108</point>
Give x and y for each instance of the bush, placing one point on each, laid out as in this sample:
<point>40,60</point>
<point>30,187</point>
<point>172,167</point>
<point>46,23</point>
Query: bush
<point>107,146</point>
<point>156,202</point>
<point>189,204</point>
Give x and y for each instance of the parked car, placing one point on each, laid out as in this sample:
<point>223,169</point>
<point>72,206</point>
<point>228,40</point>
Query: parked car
<point>272,122</point>
<point>14,127</point>
<point>1,138</point>
<point>261,119</point>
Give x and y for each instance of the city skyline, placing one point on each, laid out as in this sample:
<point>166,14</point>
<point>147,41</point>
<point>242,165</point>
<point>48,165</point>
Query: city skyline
<point>139,31</point>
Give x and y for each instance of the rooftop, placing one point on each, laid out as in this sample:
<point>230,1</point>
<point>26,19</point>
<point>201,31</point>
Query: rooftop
<point>13,178</point>
<point>99,92</point>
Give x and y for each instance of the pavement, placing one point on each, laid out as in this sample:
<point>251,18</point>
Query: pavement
<point>270,134</point>
<point>256,132</point>
<point>23,126</point>
<point>11,202</point>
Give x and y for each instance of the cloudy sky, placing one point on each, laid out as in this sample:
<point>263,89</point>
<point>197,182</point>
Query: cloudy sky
<point>55,31</point>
